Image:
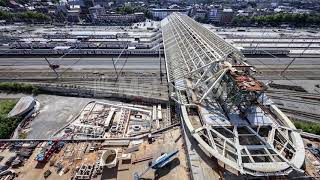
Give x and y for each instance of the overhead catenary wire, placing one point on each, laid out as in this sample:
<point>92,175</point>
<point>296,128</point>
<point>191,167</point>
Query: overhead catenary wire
<point>277,58</point>
<point>295,58</point>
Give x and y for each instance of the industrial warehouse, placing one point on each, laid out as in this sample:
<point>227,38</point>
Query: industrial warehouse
<point>169,99</point>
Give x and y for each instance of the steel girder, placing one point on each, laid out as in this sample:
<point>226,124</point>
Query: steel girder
<point>197,56</point>
<point>190,48</point>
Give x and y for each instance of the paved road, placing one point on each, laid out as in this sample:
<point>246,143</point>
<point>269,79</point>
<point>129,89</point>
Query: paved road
<point>132,62</point>
<point>147,62</point>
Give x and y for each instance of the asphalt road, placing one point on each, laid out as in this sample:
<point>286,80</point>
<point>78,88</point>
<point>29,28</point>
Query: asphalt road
<point>141,62</point>
<point>132,62</point>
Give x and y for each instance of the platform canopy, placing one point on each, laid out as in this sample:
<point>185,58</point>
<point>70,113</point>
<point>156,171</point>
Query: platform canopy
<point>191,48</point>
<point>219,102</point>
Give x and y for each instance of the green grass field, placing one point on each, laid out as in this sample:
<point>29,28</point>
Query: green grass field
<point>6,105</point>
<point>309,127</point>
<point>7,125</point>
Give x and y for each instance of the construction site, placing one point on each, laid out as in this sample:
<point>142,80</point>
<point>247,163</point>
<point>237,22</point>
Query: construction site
<point>170,99</point>
<point>103,120</point>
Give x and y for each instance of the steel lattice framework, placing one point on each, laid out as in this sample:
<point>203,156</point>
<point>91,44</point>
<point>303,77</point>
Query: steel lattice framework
<point>219,104</point>
<point>190,48</point>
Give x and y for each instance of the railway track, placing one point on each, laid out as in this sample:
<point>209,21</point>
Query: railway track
<point>303,115</point>
<point>305,103</point>
<point>295,99</point>
<point>293,93</point>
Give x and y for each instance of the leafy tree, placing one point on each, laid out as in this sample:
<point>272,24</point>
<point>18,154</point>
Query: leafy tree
<point>4,3</point>
<point>23,16</point>
<point>5,15</point>
<point>131,10</point>
<point>125,10</point>
<point>277,19</point>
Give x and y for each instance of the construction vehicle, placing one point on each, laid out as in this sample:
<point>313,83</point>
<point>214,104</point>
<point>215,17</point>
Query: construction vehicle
<point>159,163</point>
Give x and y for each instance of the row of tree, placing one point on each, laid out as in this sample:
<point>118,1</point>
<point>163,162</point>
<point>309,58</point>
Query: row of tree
<point>6,3</point>
<point>7,124</point>
<point>135,9</point>
<point>298,20</point>
<point>27,16</point>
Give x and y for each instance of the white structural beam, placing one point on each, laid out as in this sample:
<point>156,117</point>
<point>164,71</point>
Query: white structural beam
<point>213,85</point>
<point>199,62</point>
<point>190,47</point>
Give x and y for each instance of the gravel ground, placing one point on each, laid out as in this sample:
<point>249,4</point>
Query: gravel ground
<point>55,112</point>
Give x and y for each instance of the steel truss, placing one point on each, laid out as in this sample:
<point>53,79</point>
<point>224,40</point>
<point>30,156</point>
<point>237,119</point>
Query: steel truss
<point>201,73</point>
